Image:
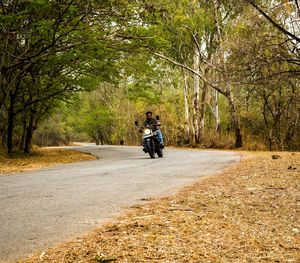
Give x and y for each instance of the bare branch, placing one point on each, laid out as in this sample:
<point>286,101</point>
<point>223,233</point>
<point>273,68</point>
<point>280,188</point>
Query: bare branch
<point>283,30</point>
<point>298,8</point>
<point>192,71</point>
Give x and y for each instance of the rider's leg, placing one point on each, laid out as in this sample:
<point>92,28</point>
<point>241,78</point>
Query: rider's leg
<point>160,137</point>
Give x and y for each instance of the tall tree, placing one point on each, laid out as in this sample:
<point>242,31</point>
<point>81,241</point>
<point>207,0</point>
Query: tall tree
<point>68,40</point>
<point>195,30</point>
<point>266,68</point>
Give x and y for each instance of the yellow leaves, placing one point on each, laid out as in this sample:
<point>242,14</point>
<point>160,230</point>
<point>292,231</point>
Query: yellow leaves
<point>288,6</point>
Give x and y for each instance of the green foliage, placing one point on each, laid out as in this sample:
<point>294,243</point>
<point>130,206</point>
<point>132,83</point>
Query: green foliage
<point>53,51</point>
<point>88,115</point>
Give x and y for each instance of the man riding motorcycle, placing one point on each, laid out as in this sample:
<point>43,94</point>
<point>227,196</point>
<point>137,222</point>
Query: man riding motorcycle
<point>153,124</point>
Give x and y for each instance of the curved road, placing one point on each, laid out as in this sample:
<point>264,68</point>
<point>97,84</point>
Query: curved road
<point>41,208</point>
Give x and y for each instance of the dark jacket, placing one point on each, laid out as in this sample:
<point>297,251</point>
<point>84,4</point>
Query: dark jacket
<point>152,124</point>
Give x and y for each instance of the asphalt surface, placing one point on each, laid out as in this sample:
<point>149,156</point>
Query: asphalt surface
<point>45,207</point>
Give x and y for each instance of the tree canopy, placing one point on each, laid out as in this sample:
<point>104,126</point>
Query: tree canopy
<point>219,73</point>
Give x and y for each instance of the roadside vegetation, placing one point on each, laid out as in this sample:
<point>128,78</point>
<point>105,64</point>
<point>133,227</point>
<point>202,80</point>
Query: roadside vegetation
<point>221,74</point>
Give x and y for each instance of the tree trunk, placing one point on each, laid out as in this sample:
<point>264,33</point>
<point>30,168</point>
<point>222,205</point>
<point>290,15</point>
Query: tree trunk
<point>216,111</point>
<point>22,140</point>
<point>236,122</point>
<point>196,95</point>
<point>3,133</point>
<point>202,111</point>
<point>186,109</point>
<point>10,124</point>
<point>29,132</point>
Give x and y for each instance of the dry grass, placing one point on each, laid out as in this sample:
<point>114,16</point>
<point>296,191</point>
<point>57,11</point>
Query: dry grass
<point>249,213</point>
<point>41,158</point>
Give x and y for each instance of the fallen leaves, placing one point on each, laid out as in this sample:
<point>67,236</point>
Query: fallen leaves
<point>249,213</point>
<point>41,158</point>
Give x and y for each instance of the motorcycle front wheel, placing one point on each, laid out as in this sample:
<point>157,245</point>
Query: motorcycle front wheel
<point>150,148</point>
<point>160,153</point>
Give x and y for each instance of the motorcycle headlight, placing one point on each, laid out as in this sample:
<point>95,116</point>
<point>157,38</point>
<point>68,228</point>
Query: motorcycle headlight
<point>147,131</point>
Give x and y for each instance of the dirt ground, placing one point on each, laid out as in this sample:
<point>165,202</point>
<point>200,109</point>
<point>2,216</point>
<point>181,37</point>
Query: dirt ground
<point>43,157</point>
<point>248,213</point>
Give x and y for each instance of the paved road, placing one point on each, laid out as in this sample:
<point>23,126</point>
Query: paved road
<point>41,208</point>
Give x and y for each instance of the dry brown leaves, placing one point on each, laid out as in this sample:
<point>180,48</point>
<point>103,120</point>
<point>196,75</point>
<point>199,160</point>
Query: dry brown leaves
<point>249,213</point>
<point>41,158</point>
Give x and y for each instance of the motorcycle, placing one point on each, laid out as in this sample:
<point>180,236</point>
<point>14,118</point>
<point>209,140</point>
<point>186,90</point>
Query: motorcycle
<point>151,143</point>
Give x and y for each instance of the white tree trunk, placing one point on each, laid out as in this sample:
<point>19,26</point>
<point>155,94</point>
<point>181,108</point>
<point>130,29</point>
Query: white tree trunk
<point>216,111</point>
<point>202,109</point>
<point>186,108</point>
<point>196,78</point>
